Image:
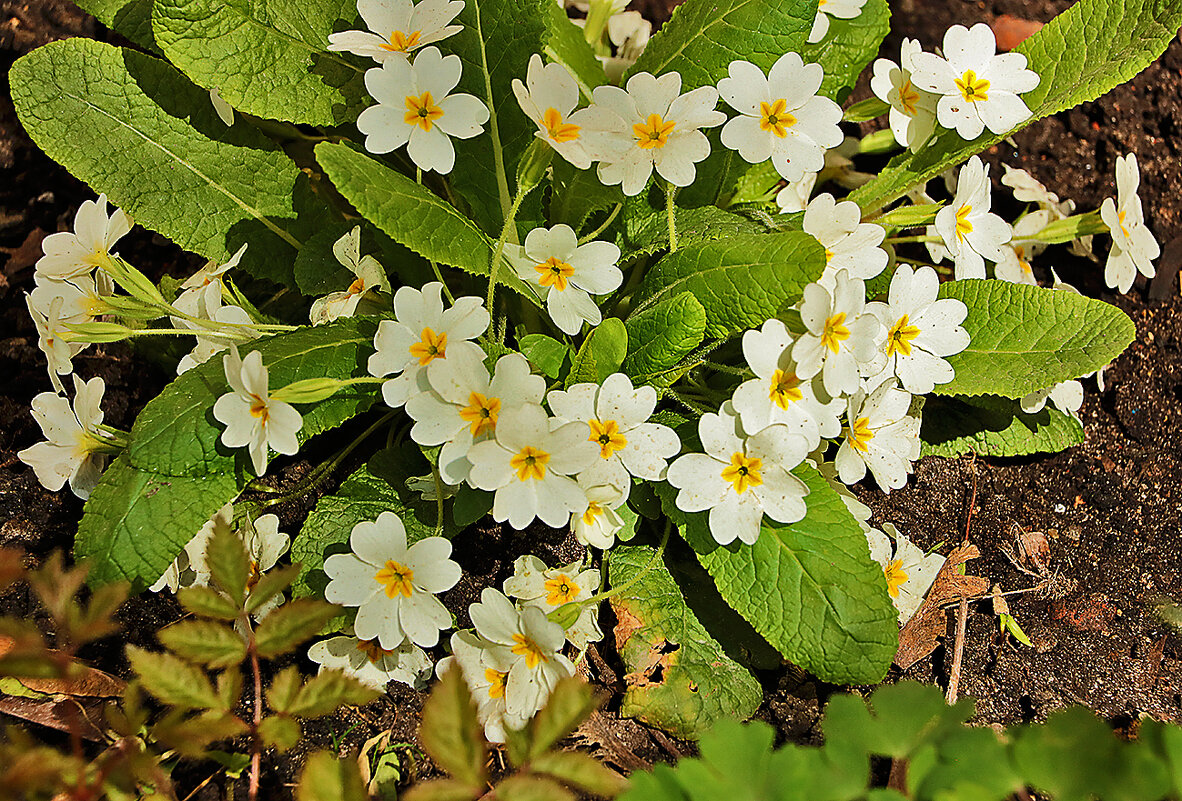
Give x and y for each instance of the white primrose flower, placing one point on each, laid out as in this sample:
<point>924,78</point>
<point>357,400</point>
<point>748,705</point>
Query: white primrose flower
<point>909,572</point>
<point>1133,245</point>
<point>190,569</point>
<point>597,527</point>
<point>370,277</point>
<point>53,307</point>
<point>420,333</point>
<point>207,347</point>
<point>71,254</point>
<point>838,168</point>
<point>840,340</point>
<point>566,274</point>
<point>265,543</point>
<point>970,231</point>
<point>1018,252</point>
<point>648,126</point>
<point>978,87</point>
<point>485,669</point>
<point>842,9</point>
<point>849,243</point>
<point>781,116</point>
<point>371,664</point>
<point>397,28</point>
<point>741,478</point>
<point>201,293</point>
<point>1028,189</point>
<point>882,436</point>
<point>466,402</point>
<point>629,32</point>
<point>549,97</point>
<point>547,589</point>
<point>913,110</point>
<point>617,416</point>
<point>529,463</point>
<point>252,418</point>
<point>415,108</point>
<point>1067,397</point>
<point>526,642</point>
<point>777,395</point>
<point>921,330</point>
<point>393,586</point>
<point>74,450</point>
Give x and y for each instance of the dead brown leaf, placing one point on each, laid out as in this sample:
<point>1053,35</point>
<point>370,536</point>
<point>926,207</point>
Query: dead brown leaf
<point>86,682</point>
<point>1011,31</point>
<point>62,714</point>
<point>1035,550</point>
<point>921,634</point>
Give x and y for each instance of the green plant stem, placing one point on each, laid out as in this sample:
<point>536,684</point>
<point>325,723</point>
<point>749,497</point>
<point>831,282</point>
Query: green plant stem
<point>499,248</point>
<point>256,747</point>
<point>652,563</point>
<point>438,500</point>
<point>671,214</point>
<point>724,368</point>
<point>610,219</point>
<point>434,265</point>
<point>899,240</point>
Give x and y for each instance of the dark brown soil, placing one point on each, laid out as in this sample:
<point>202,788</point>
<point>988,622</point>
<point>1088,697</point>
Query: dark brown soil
<point>1109,508</point>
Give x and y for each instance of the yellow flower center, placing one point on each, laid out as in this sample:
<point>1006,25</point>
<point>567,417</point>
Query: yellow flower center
<point>558,130</point>
<point>400,42</point>
<point>774,119</point>
<point>258,409</point>
<point>861,434</point>
<point>532,652</point>
<point>397,579</point>
<point>356,288</point>
<point>908,97</point>
<point>895,576</point>
<point>653,132</point>
<point>594,510</point>
<point>481,413</point>
<point>373,652</point>
<point>607,434</point>
<point>900,336</point>
<point>835,332</point>
<point>743,472</point>
<point>972,88</point>
<point>529,463</point>
<point>1120,219</point>
<point>560,590</point>
<point>422,111</point>
<point>554,272</point>
<point>496,682</point>
<point>785,389</point>
<point>964,226</point>
<point>430,346</point>
<point>1020,252</point>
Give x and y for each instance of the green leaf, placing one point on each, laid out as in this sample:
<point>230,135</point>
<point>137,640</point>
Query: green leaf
<point>705,36</point>
<point>992,426</point>
<point>741,282</point>
<point>601,353</point>
<point>533,788</point>
<point>279,732</point>
<point>439,790</point>
<point>646,229</point>
<point>848,47</point>
<point>566,45</point>
<point>268,58</point>
<point>284,688</point>
<point>810,588</point>
<point>570,703</point>
<point>576,194</point>
<point>450,732</point>
<point>1024,338</point>
<point>136,522</point>
<point>545,353</point>
<point>271,584</point>
<point>327,691</point>
<point>327,777</point>
<point>679,677</point>
<point>172,680</point>
<point>130,18</point>
<point>176,433</point>
<point>411,215</point>
<point>580,771</point>
<point>202,641</point>
<point>297,621</point>
<point>228,562</point>
<point>495,44</point>
<point>379,486</point>
<point>132,126</point>
<point>1092,47</point>
<point>662,335</point>
<point>207,602</point>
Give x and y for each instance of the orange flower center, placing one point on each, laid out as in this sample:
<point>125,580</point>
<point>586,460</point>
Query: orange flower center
<point>607,434</point>
<point>554,272</point>
<point>481,413</point>
<point>558,130</point>
<point>397,579</point>
<point>835,332</point>
<point>422,111</point>
<point>530,462</point>
<point>774,118</point>
<point>743,472</point>
<point>653,132</point>
<point>430,346</point>
<point>900,336</point>
<point>400,42</point>
<point>560,590</point>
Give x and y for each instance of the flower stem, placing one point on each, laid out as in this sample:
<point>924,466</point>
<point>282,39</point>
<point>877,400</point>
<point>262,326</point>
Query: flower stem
<point>898,240</point>
<point>499,248</point>
<point>438,500</point>
<point>610,219</point>
<point>652,563</point>
<point>671,214</point>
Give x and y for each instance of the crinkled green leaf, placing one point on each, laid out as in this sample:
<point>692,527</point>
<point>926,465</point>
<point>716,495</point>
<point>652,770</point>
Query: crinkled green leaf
<point>566,45</point>
<point>576,194</point>
<point>646,229</point>
<point>662,335</point>
<point>810,588</point>
<point>269,58</point>
<point>601,353</point>
<point>131,18</point>
<point>1090,48</point>
<point>848,47</point>
<point>172,680</point>
<point>741,281</point>
<point>176,433</point>
<point>136,522</point>
<point>705,36</point>
<point>992,426</point>
<point>679,678</point>
<point>203,641</point>
<point>132,126</point>
<point>1025,338</point>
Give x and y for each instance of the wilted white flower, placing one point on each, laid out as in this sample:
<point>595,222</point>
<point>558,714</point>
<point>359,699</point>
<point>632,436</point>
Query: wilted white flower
<point>74,450</point>
<point>397,28</point>
<point>849,243</point>
<point>598,525</point>
<point>566,274</point>
<point>970,231</point>
<point>265,543</point>
<point>251,416</point>
<point>549,97</point>
<point>53,307</point>
<point>71,254</point>
<point>393,586</point>
<point>1067,396</point>
<point>882,436</point>
<point>1017,253</point>
<point>741,478</point>
<point>370,277</point>
<point>648,126</point>
<point>1027,189</point>
<point>371,664</point>
<point>840,340</point>
<point>913,110</point>
<point>1133,245</point>
<point>547,589</point>
<point>978,87</point>
<point>781,116</point>
<point>416,108</point>
<point>909,572</point>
